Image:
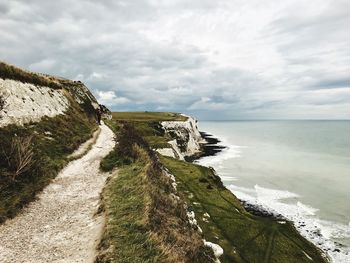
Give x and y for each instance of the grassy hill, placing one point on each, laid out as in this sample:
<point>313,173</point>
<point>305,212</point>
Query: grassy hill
<point>33,153</point>
<point>224,221</point>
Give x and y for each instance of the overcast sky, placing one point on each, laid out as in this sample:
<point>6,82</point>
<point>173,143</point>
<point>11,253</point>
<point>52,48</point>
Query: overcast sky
<point>214,59</point>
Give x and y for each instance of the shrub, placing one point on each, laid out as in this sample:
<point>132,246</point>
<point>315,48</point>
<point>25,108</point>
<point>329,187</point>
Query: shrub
<point>19,156</point>
<point>124,151</point>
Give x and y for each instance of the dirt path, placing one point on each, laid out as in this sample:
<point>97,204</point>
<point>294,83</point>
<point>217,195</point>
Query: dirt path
<point>60,226</point>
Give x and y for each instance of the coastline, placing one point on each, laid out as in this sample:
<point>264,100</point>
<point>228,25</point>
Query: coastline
<point>212,147</point>
<point>332,250</point>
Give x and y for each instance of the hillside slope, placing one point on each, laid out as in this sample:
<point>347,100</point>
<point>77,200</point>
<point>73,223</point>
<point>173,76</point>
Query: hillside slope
<point>43,119</point>
<point>213,216</point>
<point>61,225</point>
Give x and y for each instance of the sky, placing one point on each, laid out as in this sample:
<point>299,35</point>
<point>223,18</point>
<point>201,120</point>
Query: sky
<point>215,60</point>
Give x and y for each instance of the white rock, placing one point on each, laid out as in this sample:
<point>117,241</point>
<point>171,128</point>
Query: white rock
<point>186,131</point>
<point>218,251</point>
<point>25,102</point>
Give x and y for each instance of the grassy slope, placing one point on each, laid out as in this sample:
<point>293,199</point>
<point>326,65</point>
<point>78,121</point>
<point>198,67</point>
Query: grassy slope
<point>244,237</point>
<point>148,116</point>
<point>53,140</point>
<point>126,237</point>
<point>144,223</point>
<point>147,125</point>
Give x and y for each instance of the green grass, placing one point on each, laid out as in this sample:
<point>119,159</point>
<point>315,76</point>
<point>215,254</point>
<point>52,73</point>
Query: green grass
<point>148,116</point>
<point>144,221</point>
<point>244,237</point>
<point>147,124</point>
<point>127,237</point>
<point>54,139</point>
<point>11,72</point>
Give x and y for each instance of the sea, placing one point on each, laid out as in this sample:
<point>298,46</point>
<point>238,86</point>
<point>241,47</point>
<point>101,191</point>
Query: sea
<point>299,169</point>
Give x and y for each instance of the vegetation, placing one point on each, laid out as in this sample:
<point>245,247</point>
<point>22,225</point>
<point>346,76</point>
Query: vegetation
<point>19,157</point>
<point>146,222</point>
<point>11,72</point>
<point>33,154</point>
<point>244,237</point>
<point>148,116</point>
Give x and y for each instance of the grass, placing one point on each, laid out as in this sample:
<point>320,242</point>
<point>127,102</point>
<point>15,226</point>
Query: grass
<point>148,116</point>
<point>53,140</point>
<point>150,129</point>
<point>244,237</point>
<point>11,72</point>
<point>126,237</point>
<point>145,222</point>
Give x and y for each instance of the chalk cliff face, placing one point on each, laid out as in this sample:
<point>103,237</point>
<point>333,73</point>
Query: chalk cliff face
<point>23,102</point>
<point>186,138</point>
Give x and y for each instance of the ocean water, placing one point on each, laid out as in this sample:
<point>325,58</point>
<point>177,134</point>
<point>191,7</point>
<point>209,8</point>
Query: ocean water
<point>300,169</point>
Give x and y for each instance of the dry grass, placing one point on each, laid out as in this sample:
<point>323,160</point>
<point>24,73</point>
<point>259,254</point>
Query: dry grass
<point>11,72</point>
<point>19,156</point>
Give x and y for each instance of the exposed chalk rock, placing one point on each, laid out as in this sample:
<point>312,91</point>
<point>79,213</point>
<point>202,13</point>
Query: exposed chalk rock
<point>25,102</point>
<point>218,251</point>
<point>186,138</point>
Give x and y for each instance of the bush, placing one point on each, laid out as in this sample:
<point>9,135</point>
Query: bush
<point>19,157</point>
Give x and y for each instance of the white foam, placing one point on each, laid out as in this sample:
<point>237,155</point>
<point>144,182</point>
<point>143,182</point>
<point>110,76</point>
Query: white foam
<point>307,209</point>
<point>231,151</point>
<point>321,232</point>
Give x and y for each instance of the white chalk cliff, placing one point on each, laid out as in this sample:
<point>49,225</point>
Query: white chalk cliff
<point>186,139</point>
<point>25,102</point>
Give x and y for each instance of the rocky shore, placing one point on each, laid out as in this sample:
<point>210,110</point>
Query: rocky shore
<point>211,147</point>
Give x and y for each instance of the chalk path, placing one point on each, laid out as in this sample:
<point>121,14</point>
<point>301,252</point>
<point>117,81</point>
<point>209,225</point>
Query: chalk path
<point>61,226</point>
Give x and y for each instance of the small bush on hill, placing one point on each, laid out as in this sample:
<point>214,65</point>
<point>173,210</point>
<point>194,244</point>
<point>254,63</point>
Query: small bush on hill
<point>19,156</point>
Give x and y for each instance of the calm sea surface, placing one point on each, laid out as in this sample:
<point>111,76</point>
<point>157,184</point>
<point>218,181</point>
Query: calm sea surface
<point>300,169</point>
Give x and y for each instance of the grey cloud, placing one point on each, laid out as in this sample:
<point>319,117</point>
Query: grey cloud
<point>141,55</point>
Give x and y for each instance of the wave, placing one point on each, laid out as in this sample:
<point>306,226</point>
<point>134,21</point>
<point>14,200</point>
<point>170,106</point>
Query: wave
<point>320,232</point>
<point>231,151</point>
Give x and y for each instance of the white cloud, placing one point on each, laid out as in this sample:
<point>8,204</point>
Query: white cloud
<point>109,98</point>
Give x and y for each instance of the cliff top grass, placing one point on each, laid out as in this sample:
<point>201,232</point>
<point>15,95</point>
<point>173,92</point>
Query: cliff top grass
<point>8,71</point>
<point>243,236</point>
<point>148,116</point>
<point>148,125</point>
<point>144,222</point>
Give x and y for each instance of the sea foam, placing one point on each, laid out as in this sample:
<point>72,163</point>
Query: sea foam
<point>320,232</point>
<point>279,202</point>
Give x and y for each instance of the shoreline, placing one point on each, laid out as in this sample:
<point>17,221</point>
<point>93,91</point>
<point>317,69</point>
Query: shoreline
<point>212,148</point>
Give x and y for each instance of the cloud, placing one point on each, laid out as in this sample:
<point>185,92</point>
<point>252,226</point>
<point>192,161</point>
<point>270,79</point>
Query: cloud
<point>109,98</point>
<point>226,58</point>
